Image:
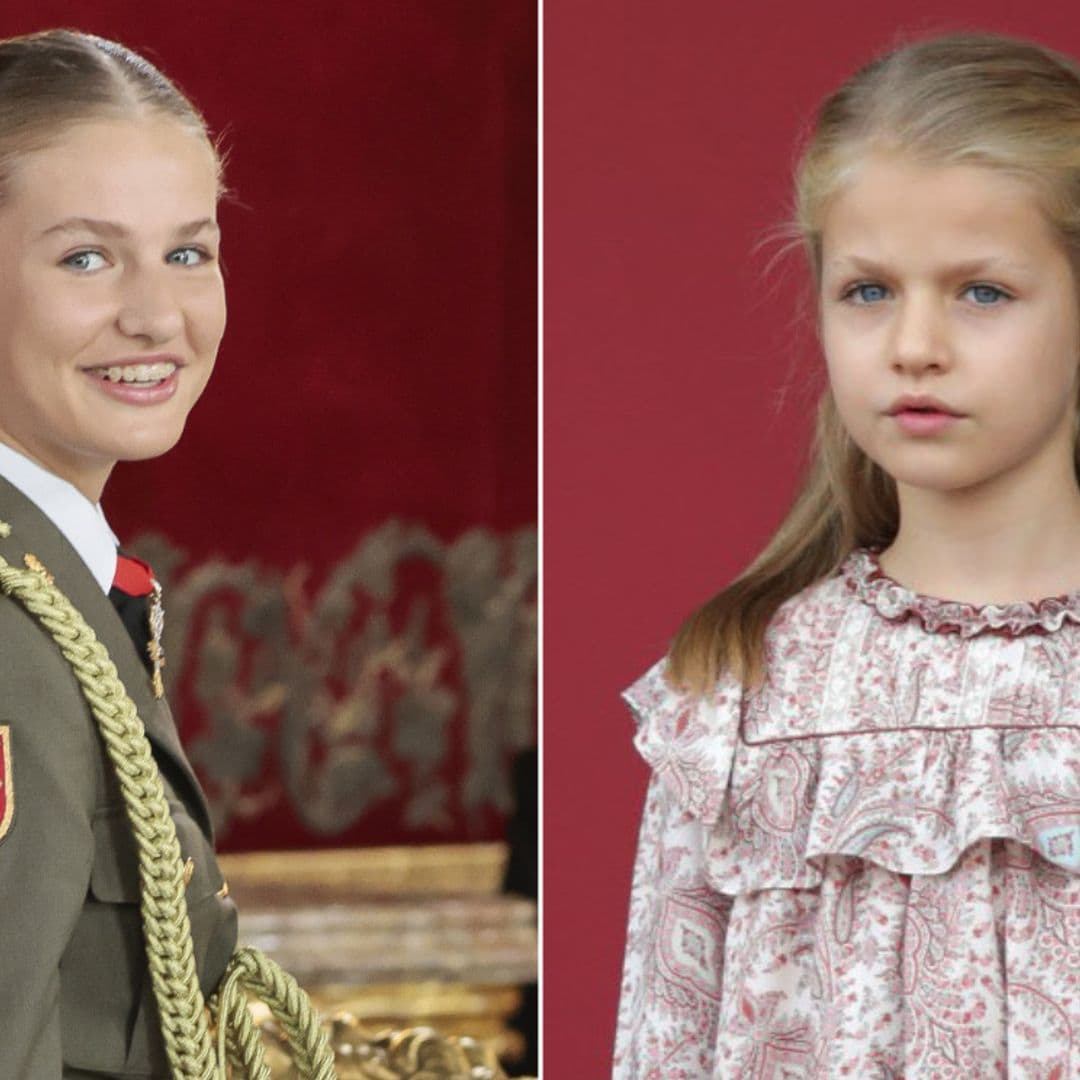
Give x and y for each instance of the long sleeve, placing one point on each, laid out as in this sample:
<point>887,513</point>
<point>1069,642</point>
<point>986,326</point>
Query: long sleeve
<point>673,970</point>
<point>46,847</point>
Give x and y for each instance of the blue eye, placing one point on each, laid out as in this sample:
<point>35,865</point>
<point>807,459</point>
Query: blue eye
<point>85,261</point>
<point>986,295</point>
<point>188,256</point>
<point>866,293</point>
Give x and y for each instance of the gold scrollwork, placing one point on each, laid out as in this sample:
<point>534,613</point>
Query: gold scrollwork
<point>409,1054</point>
<point>358,690</point>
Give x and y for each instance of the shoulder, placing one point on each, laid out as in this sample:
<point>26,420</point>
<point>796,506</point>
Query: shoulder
<point>55,764</point>
<point>812,610</point>
<point>41,701</point>
<point>687,738</point>
<point>28,653</point>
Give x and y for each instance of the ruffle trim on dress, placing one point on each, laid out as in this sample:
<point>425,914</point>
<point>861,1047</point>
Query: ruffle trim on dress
<point>910,801</point>
<point>687,738</point>
<point>863,573</point>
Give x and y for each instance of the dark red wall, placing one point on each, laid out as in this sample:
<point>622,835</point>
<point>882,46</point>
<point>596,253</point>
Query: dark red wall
<point>670,450</point>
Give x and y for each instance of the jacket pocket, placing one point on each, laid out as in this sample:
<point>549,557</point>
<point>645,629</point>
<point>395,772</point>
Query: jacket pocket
<point>114,877</point>
<point>103,972</point>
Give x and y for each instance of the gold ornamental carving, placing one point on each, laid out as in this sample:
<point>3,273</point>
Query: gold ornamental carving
<point>406,1054</point>
<point>413,951</point>
<point>362,689</point>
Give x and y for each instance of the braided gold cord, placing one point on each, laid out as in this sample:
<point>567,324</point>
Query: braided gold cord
<point>164,909</point>
<point>166,927</point>
<point>239,1041</point>
<point>251,970</point>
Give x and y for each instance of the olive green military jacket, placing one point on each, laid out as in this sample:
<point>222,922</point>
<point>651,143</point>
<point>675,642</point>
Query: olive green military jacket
<point>75,993</point>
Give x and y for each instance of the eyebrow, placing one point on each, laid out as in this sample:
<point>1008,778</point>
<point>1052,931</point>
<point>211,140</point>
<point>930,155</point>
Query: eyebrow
<point>959,269</point>
<point>113,228</point>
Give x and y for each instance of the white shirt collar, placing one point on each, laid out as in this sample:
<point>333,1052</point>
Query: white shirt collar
<point>81,521</point>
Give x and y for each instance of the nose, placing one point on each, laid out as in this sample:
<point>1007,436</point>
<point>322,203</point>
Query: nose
<point>921,336</point>
<point>149,307</point>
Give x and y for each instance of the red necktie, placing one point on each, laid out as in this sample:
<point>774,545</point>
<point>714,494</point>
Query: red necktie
<point>132,586</point>
<point>133,576</point>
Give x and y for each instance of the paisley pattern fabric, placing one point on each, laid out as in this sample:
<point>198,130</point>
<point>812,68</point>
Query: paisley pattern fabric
<point>869,866</point>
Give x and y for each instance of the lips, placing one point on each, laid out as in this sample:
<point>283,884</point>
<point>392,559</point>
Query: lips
<point>922,403</point>
<point>136,392</point>
<point>125,364</point>
<point>135,374</point>
<point>138,380</point>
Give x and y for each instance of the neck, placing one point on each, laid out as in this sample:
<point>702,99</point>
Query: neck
<point>994,543</point>
<point>88,480</point>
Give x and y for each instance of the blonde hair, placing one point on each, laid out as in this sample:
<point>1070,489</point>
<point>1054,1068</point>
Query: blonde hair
<point>56,78</point>
<point>958,99</point>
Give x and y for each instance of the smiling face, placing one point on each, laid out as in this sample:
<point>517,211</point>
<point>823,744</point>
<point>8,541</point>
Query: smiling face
<point>950,282</point>
<point>112,303</point>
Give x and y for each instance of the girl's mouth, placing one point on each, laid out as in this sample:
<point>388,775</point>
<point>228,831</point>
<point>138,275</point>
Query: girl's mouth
<point>135,374</point>
<point>924,421</point>
<point>137,384</point>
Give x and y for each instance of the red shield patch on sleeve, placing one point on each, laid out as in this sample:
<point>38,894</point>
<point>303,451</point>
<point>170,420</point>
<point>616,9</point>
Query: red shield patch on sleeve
<point>7,788</point>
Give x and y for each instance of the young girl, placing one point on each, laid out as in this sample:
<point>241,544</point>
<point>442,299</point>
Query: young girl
<point>115,922</point>
<point>111,311</point>
<point>860,854</point>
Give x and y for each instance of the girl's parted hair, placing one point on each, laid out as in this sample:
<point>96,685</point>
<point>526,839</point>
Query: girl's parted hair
<point>56,78</point>
<point>969,98</point>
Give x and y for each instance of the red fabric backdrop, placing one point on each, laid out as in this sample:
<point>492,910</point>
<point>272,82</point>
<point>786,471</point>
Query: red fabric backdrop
<point>379,364</point>
<point>671,449</point>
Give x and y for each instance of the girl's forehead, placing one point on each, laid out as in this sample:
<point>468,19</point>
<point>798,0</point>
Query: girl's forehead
<point>114,142</point>
<point>111,166</point>
<point>894,204</point>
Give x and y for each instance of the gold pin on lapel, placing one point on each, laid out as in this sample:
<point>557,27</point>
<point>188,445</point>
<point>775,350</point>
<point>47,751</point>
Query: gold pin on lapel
<point>34,563</point>
<point>156,614</point>
<point>189,869</point>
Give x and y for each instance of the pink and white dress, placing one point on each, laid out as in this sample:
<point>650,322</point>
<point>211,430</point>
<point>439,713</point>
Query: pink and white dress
<point>868,867</point>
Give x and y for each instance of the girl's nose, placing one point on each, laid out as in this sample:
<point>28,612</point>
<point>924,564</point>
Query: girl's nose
<point>149,308</point>
<point>921,335</point>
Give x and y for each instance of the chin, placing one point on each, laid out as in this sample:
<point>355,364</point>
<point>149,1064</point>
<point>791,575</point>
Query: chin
<point>941,475</point>
<point>944,480</point>
<point>148,447</point>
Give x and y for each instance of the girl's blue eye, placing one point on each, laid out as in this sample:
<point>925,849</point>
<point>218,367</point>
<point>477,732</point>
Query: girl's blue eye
<point>188,256</point>
<point>85,261</point>
<point>867,293</point>
<point>986,295</point>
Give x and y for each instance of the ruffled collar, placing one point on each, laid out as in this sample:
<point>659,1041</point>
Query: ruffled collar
<point>864,576</point>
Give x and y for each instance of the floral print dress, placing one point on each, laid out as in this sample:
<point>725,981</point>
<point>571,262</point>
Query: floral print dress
<point>869,866</point>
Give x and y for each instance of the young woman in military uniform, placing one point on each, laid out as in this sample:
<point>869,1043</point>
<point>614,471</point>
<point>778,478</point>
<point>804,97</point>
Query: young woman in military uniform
<point>111,310</point>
